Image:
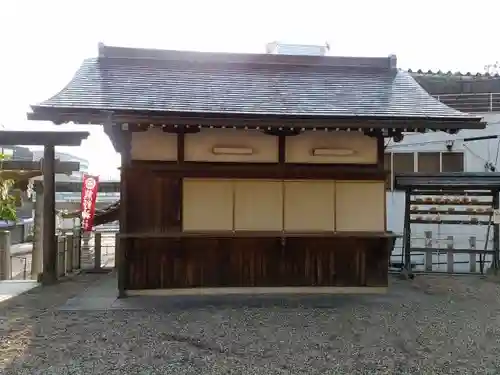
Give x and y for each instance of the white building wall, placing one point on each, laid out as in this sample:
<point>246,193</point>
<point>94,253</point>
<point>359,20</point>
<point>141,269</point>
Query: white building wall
<point>476,154</point>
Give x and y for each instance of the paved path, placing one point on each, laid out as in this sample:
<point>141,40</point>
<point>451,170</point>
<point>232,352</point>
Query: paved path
<point>12,288</point>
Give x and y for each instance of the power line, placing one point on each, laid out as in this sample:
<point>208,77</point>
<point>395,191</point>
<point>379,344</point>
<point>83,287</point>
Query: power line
<point>465,139</point>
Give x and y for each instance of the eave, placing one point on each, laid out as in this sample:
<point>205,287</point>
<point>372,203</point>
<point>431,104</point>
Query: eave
<point>165,118</point>
<point>62,167</point>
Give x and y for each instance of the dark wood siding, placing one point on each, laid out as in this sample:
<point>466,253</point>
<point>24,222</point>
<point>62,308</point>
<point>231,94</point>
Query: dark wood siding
<point>256,262</point>
<point>153,201</point>
<point>155,260</point>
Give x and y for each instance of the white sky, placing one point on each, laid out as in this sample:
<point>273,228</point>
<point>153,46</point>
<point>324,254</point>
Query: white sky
<point>44,42</point>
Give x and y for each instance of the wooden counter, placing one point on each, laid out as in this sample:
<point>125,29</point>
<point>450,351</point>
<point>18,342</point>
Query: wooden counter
<point>263,234</point>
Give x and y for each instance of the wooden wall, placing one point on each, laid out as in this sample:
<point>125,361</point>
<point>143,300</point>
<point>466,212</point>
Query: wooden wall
<point>153,201</point>
<point>254,196</point>
<point>162,257</point>
<point>254,261</point>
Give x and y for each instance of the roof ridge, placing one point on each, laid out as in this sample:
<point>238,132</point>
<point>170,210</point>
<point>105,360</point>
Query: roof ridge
<point>449,73</point>
<point>112,52</point>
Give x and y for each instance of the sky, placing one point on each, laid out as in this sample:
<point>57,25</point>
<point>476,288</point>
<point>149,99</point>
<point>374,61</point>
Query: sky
<point>44,42</point>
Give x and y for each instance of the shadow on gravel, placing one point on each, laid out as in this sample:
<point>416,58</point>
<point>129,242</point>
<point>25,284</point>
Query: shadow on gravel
<point>250,302</point>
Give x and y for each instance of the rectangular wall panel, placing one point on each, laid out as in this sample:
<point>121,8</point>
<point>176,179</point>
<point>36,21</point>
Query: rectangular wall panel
<point>231,145</point>
<point>339,147</point>
<point>258,205</point>
<point>360,206</point>
<point>309,206</point>
<point>207,205</point>
<point>154,144</point>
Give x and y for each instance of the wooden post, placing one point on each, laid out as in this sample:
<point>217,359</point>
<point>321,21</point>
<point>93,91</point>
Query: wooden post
<point>407,232</point>
<point>429,252</point>
<point>76,250</point>
<point>86,257</point>
<point>472,256</point>
<point>449,254</point>
<point>69,253</point>
<point>117,246</point>
<point>97,250</point>
<point>49,274</point>
<point>5,262</point>
<point>37,255</point>
<point>123,270</point>
<point>496,234</point>
<point>61,256</point>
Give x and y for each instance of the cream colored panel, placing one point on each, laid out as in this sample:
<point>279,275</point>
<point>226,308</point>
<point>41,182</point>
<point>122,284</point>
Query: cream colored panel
<point>207,205</point>
<point>154,144</point>
<point>331,147</point>
<point>231,145</point>
<point>258,205</point>
<point>360,206</point>
<point>309,206</point>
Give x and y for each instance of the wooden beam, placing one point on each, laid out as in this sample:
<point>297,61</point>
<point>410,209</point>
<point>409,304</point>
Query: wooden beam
<point>259,291</point>
<point>76,186</point>
<point>28,165</point>
<point>265,170</point>
<point>41,138</point>
<point>281,149</point>
<point>49,274</point>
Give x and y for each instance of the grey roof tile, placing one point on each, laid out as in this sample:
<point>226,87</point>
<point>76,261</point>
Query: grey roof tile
<point>261,85</point>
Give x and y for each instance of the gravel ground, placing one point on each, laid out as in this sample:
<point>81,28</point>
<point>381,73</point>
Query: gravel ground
<point>432,325</point>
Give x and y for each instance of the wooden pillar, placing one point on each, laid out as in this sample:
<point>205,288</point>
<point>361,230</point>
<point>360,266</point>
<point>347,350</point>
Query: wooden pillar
<point>123,267</point>
<point>69,253</point>
<point>496,234</point>
<point>380,150</point>
<point>97,250</point>
<point>407,232</point>
<point>49,274</point>
<point>5,260</point>
<point>37,255</point>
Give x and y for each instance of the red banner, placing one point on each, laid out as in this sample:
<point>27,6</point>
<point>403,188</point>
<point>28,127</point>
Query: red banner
<point>89,195</point>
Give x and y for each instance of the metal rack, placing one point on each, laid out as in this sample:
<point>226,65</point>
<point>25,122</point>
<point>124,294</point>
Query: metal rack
<point>465,199</point>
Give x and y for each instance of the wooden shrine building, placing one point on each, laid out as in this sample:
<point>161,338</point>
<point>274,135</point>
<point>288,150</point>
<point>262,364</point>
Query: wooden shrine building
<point>259,172</point>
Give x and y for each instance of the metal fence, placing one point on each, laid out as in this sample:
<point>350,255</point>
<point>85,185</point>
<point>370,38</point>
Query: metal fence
<point>472,102</point>
<point>92,251</point>
<point>451,259</point>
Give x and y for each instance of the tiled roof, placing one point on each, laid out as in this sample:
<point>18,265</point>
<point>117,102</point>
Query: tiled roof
<point>438,83</point>
<point>195,82</point>
<point>449,73</point>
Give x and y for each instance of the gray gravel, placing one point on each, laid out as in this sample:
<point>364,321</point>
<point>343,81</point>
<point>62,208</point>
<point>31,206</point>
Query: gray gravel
<point>432,325</point>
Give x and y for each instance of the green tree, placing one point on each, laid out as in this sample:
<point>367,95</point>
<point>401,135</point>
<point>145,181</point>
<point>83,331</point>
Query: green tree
<point>8,201</point>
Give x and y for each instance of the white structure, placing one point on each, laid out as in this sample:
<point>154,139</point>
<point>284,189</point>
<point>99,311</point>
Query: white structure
<point>278,48</point>
<point>434,152</point>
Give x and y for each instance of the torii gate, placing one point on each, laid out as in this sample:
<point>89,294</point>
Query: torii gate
<point>48,139</point>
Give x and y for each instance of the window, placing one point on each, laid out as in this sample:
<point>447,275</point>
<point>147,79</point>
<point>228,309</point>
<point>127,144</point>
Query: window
<point>403,162</point>
<point>452,162</point>
<point>428,162</point>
